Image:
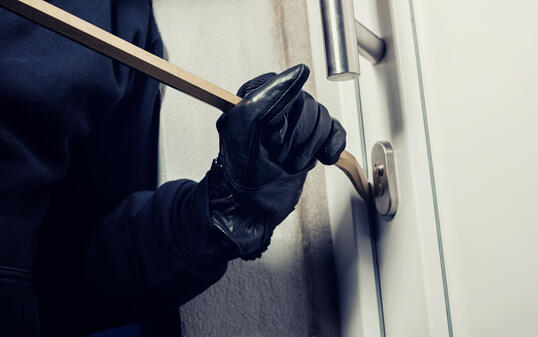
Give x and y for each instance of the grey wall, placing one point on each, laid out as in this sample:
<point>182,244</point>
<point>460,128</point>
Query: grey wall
<point>291,290</point>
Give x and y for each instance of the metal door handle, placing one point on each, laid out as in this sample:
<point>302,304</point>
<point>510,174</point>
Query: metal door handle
<point>345,39</point>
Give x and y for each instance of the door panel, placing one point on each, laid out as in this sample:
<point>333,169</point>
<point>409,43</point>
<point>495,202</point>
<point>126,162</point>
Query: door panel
<point>401,262</point>
<point>457,96</point>
<point>480,71</point>
<point>410,268</point>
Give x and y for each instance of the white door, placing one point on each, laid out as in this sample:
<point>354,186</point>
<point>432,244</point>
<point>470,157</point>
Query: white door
<point>457,96</point>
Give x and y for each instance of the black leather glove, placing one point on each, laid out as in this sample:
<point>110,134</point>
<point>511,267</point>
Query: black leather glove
<point>268,143</point>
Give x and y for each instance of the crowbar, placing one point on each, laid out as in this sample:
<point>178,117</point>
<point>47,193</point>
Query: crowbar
<point>103,42</point>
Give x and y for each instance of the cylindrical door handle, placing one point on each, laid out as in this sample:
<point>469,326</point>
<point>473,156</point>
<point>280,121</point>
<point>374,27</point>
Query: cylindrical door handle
<point>346,38</point>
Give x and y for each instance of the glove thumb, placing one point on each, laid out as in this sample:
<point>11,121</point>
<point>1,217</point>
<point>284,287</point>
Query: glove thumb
<point>330,151</point>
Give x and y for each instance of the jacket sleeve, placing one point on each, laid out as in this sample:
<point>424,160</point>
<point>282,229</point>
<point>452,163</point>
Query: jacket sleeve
<point>150,252</point>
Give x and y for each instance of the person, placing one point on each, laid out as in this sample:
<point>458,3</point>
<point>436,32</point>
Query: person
<point>87,240</point>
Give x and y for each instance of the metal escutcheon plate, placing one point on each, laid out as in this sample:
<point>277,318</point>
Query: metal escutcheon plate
<point>385,190</point>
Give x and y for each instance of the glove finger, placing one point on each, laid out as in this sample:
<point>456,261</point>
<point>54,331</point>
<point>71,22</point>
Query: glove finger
<point>268,102</point>
<point>254,83</point>
<point>335,144</point>
<point>311,126</point>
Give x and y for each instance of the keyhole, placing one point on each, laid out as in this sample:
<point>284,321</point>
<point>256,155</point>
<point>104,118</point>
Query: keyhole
<point>380,170</point>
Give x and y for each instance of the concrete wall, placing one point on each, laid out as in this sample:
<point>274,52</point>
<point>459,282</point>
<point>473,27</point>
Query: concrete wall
<point>291,290</point>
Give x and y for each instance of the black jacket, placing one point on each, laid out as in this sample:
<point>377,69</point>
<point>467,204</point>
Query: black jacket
<point>87,241</point>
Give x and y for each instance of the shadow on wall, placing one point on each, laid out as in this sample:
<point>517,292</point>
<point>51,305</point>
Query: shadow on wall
<point>265,297</point>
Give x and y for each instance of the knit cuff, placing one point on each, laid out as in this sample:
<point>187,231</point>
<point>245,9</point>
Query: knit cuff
<point>200,244</point>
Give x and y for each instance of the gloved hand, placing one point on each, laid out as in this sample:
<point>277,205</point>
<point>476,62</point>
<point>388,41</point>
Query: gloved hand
<point>268,143</point>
